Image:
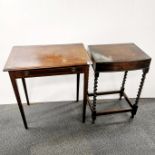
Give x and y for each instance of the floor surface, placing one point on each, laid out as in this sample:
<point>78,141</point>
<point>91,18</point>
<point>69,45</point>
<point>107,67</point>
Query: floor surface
<point>55,128</point>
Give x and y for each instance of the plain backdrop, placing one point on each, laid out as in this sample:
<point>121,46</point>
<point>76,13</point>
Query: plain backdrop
<point>29,22</point>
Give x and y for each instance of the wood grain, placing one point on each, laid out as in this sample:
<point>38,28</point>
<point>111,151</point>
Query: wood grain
<point>46,56</point>
<point>118,57</point>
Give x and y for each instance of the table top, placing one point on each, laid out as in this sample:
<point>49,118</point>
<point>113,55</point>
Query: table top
<point>117,53</point>
<point>46,56</point>
<point>117,57</point>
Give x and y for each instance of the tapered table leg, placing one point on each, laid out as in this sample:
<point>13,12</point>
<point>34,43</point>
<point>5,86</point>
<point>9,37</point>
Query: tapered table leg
<point>15,88</point>
<point>25,90</point>
<point>77,87</point>
<point>85,92</point>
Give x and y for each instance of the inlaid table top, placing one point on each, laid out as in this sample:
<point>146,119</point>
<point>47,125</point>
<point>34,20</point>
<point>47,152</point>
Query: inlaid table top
<point>117,57</point>
<point>46,56</point>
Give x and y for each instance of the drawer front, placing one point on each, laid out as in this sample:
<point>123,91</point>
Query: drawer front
<point>48,72</point>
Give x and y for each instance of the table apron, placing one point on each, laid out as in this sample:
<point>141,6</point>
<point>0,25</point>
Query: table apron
<point>48,72</point>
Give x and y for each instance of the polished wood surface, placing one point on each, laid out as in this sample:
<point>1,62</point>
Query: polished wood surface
<point>117,53</point>
<point>46,56</point>
<point>118,57</point>
<point>47,60</point>
<point>112,58</point>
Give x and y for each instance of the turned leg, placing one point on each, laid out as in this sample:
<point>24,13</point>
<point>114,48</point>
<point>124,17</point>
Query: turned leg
<point>123,85</point>
<point>85,92</point>
<point>15,88</point>
<point>25,90</point>
<point>94,97</point>
<point>77,87</point>
<point>135,106</point>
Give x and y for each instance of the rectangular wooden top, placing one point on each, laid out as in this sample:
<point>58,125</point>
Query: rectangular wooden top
<point>118,57</point>
<point>46,56</point>
<point>124,52</point>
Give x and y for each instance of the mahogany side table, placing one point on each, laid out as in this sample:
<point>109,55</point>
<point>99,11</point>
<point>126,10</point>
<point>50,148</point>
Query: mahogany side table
<point>46,60</point>
<point>113,58</point>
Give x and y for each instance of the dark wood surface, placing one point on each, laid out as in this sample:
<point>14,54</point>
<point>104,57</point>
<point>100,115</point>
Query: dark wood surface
<point>118,57</point>
<point>47,60</point>
<point>46,56</point>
